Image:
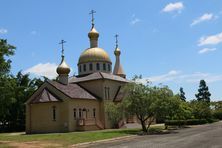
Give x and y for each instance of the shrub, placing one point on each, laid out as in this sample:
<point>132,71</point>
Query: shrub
<point>187,122</point>
<point>217,114</point>
<point>175,122</point>
<point>212,120</point>
<point>196,121</point>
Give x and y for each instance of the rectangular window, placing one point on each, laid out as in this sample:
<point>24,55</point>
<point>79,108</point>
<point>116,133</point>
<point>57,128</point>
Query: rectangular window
<point>97,66</point>
<point>84,67</point>
<point>104,66</point>
<point>54,113</point>
<point>94,112</point>
<point>80,113</point>
<point>108,92</point>
<point>109,67</point>
<point>105,91</point>
<point>74,113</point>
<point>91,66</point>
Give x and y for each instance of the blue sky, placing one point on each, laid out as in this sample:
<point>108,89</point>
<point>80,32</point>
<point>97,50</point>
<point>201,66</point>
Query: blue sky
<point>175,43</point>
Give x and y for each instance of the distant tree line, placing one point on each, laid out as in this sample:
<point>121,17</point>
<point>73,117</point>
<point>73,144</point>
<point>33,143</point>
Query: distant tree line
<point>14,91</point>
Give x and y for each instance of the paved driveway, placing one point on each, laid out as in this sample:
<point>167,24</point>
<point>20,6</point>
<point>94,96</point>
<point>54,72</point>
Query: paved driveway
<point>203,136</point>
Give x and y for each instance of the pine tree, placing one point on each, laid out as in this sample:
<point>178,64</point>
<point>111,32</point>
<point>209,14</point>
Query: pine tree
<point>203,92</point>
<point>182,94</point>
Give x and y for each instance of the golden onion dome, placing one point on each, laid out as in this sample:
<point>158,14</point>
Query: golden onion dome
<point>63,68</point>
<point>93,34</point>
<point>94,55</point>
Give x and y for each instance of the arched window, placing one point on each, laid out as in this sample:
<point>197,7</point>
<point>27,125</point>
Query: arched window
<point>54,113</point>
<point>80,113</point>
<point>74,113</point>
<point>104,66</point>
<point>90,66</point>
<point>109,67</point>
<point>97,66</point>
<point>94,112</point>
<point>84,67</point>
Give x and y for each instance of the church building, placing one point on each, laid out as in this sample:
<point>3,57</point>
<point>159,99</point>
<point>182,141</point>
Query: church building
<point>77,103</point>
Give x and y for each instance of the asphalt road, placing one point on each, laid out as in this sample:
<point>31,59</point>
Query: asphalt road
<point>203,136</point>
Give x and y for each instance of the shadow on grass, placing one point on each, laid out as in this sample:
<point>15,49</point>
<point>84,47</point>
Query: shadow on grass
<point>127,132</point>
<point>152,131</point>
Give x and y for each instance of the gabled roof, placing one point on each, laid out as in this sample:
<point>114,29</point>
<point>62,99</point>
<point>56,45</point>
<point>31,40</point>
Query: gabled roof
<point>45,96</point>
<point>97,76</point>
<point>73,91</point>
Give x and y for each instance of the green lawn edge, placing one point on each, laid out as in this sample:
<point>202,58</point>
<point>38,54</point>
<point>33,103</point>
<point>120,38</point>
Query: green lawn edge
<point>66,139</point>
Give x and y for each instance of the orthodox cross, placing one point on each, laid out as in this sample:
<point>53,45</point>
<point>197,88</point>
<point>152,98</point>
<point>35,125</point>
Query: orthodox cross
<point>62,42</point>
<point>116,36</point>
<point>92,13</point>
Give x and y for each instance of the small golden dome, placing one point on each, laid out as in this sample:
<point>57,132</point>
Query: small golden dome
<point>93,34</point>
<point>117,51</point>
<point>63,68</point>
<point>94,55</point>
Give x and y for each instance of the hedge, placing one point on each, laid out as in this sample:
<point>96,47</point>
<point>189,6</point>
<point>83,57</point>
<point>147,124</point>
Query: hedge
<point>188,122</point>
<point>217,114</point>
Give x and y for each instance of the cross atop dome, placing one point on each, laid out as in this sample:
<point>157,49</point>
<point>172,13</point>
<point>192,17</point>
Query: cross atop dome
<point>92,13</point>
<point>116,36</point>
<point>62,43</point>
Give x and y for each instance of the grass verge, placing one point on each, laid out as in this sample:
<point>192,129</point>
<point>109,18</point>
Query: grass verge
<point>66,139</point>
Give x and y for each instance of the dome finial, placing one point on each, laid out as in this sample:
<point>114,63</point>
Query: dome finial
<point>118,70</point>
<point>63,68</point>
<point>93,34</point>
<point>116,36</point>
<point>117,50</point>
<point>92,13</point>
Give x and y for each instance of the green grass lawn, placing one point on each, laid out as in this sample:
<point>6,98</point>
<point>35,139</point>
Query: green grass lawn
<point>66,139</point>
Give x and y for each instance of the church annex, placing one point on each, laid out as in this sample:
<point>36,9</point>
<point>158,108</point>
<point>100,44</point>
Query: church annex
<point>77,103</point>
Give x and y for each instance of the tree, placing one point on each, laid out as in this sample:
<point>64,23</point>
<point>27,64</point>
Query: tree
<point>23,89</point>
<point>6,50</point>
<point>14,91</point>
<point>200,109</point>
<point>115,113</point>
<point>7,84</point>
<point>203,92</point>
<point>147,103</point>
<point>182,94</point>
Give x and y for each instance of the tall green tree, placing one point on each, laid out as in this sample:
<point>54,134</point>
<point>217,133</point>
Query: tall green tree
<point>148,103</point>
<point>7,84</point>
<point>182,94</point>
<point>203,92</point>
<point>6,50</point>
<point>14,91</point>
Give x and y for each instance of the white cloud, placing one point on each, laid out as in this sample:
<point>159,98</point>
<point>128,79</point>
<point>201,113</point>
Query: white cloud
<point>170,76</point>
<point>48,70</point>
<point>203,18</point>
<point>205,50</point>
<point>3,31</point>
<point>178,6</point>
<point>134,20</point>
<point>179,77</point>
<point>210,40</point>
